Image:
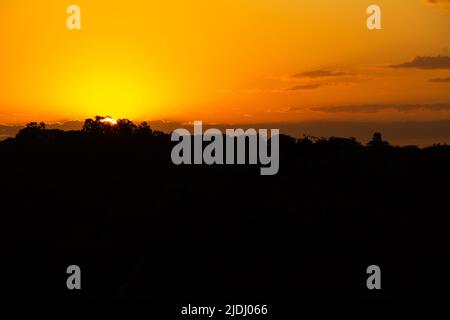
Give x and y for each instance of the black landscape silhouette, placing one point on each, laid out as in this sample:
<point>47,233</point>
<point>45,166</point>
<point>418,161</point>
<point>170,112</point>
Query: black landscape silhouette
<point>109,199</point>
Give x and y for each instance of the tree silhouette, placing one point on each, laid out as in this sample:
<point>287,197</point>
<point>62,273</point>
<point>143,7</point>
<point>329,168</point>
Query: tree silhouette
<point>32,131</point>
<point>377,141</point>
<point>93,127</point>
<point>144,130</point>
<point>124,128</point>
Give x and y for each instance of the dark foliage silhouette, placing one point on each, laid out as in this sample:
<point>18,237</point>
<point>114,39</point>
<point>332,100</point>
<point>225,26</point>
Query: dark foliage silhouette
<point>109,199</point>
<point>377,141</point>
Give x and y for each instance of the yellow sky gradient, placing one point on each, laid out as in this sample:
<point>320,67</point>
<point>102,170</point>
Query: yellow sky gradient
<point>218,61</point>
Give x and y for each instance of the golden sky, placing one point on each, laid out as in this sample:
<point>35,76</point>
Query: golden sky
<point>224,60</point>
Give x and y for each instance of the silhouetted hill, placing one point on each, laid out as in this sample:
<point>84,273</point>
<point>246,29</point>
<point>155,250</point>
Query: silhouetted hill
<point>109,199</point>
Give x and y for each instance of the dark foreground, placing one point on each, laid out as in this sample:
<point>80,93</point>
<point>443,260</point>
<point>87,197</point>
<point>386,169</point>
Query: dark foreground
<point>141,227</point>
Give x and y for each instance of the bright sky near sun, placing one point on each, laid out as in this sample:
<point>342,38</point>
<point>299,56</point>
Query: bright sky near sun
<point>220,61</point>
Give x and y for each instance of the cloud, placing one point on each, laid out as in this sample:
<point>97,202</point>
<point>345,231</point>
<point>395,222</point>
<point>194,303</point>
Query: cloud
<point>438,1</point>
<point>438,62</point>
<point>295,109</point>
<point>443,4</point>
<point>440,80</point>
<point>319,74</point>
<point>255,90</point>
<point>304,87</point>
<point>373,108</point>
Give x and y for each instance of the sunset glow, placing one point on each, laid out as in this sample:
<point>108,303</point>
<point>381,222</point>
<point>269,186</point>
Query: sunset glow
<point>109,120</point>
<point>221,61</point>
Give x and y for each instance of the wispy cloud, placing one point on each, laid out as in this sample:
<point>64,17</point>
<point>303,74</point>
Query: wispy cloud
<point>424,62</point>
<point>440,80</point>
<point>442,4</point>
<point>294,109</point>
<point>254,90</point>
<point>373,108</point>
<point>319,74</point>
<point>438,1</point>
<point>304,87</point>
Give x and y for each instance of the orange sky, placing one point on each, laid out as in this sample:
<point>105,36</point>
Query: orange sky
<point>222,61</point>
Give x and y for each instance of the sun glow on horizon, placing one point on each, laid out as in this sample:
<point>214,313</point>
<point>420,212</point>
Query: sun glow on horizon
<point>109,120</point>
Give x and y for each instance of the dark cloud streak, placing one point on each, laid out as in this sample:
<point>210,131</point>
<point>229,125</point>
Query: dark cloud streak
<point>374,108</point>
<point>319,74</point>
<point>304,87</point>
<point>440,80</point>
<point>428,63</point>
<point>438,1</point>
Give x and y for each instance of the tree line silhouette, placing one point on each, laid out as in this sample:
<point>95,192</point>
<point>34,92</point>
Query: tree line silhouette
<point>108,198</point>
<point>97,128</point>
